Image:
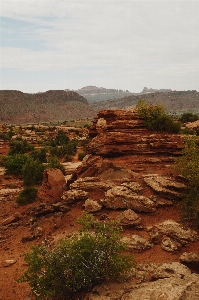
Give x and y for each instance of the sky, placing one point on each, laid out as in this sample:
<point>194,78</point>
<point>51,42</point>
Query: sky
<point>119,44</point>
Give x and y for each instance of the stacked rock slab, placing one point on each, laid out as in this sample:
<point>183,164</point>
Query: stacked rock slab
<point>119,132</point>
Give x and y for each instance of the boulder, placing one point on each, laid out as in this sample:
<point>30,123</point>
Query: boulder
<point>171,235</point>
<point>167,270</point>
<point>91,183</point>
<point>172,288</point>
<point>129,218</point>
<point>53,186</point>
<point>73,196</point>
<point>137,243</point>
<point>190,259</point>
<point>169,187</point>
<point>92,205</point>
<point>169,281</point>
<point>123,197</point>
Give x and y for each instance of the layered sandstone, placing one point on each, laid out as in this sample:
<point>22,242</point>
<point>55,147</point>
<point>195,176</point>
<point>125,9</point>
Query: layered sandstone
<point>120,132</point>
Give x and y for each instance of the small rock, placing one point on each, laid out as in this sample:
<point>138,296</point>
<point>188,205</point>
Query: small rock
<point>137,243</point>
<point>27,238</point>
<point>129,218</point>
<point>14,218</point>
<point>92,205</point>
<point>38,232</point>
<point>9,262</point>
<point>170,245</point>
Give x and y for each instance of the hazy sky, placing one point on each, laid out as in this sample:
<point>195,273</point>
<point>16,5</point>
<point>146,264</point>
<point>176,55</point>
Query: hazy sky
<point>63,44</point>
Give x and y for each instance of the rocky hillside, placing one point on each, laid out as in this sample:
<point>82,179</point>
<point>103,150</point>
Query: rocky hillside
<point>174,102</point>
<point>19,108</point>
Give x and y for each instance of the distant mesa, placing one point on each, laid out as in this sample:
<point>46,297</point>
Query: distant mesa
<point>150,90</point>
<point>55,105</point>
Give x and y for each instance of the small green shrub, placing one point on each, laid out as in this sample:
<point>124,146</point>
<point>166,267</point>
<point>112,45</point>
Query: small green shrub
<point>53,162</point>
<point>156,118</point>
<point>81,155</point>
<point>27,195</point>
<point>188,117</point>
<point>79,262</point>
<point>39,155</point>
<point>188,166</point>
<point>32,172</point>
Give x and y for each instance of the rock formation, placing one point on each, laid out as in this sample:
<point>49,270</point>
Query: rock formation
<point>53,186</point>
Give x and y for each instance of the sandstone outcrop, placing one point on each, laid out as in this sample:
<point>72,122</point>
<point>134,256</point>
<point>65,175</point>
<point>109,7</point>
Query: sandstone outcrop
<point>123,197</point>
<point>53,186</point>
<point>131,138</point>
<point>164,185</point>
<point>171,281</point>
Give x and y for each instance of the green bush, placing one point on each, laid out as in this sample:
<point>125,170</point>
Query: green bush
<point>27,195</point>
<point>188,117</point>
<point>156,118</point>
<point>81,155</point>
<point>61,138</point>
<point>14,163</point>
<point>79,262</point>
<point>188,166</point>
<point>39,155</point>
<point>19,146</point>
<point>32,172</point>
<point>53,162</point>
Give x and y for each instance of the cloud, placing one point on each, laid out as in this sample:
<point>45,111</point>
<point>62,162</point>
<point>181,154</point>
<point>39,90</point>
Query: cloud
<point>115,39</point>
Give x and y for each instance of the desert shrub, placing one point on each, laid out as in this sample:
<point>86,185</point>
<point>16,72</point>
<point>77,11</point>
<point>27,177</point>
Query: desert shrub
<point>81,155</point>
<point>19,146</point>
<point>188,117</point>
<point>53,162</point>
<point>14,163</point>
<point>166,123</point>
<point>61,138</point>
<point>68,149</point>
<point>32,172</point>
<point>27,195</point>
<point>54,151</point>
<point>188,166</point>
<point>79,262</point>
<point>67,157</point>
<point>156,118</point>
<point>39,155</point>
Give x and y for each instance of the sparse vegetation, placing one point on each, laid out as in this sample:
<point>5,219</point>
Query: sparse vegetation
<point>32,172</point>
<point>81,155</point>
<point>188,166</point>
<point>53,162</point>
<point>188,117</point>
<point>26,196</point>
<point>156,118</point>
<point>94,255</point>
<point>19,146</point>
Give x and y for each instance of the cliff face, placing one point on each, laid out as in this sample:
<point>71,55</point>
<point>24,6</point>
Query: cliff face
<point>120,144</point>
<point>19,108</point>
